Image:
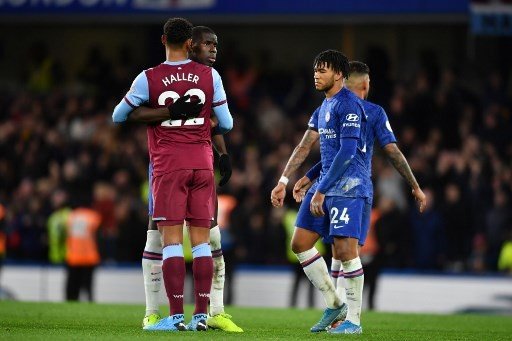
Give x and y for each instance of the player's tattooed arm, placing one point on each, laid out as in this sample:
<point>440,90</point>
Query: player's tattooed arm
<point>400,163</point>
<point>144,114</point>
<point>402,166</point>
<point>296,159</point>
<point>301,152</point>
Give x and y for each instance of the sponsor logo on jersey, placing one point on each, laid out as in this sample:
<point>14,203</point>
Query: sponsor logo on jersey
<point>352,118</point>
<point>352,124</point>
<point>328,133</point>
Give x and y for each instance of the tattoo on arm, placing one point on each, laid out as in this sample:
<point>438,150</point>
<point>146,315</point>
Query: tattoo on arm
<point>400,163</point>
<point>301,152</point>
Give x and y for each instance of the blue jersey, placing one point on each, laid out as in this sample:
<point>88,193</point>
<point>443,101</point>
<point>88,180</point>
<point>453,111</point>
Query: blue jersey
<point>378,127</point>
<point>343,116</point>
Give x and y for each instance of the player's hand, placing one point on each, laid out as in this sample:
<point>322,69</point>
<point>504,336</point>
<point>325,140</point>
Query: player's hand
<point>301,187</point>
<point>183,110</point>
<point>225,169</point>
<point>277,195</point>
<point>316,205</point>
<point>420,198</point>
<point>214,121</point>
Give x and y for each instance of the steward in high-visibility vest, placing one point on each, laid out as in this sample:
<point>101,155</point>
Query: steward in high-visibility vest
<point>81,245</point>
<point>82,254</point>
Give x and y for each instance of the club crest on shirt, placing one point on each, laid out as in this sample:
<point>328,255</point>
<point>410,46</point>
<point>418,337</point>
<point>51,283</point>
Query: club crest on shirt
<point>327,116</point>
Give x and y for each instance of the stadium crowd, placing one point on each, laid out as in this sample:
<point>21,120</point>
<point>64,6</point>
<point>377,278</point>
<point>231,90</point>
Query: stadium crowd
<point>59,147</point>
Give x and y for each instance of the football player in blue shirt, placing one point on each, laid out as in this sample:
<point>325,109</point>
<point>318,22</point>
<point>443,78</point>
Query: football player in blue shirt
<point>378,127</point>
<point>339,123</point>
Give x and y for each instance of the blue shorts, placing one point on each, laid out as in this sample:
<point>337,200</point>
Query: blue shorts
<point>349,217</point>
<point>308,221</point>
<point>150,191</point>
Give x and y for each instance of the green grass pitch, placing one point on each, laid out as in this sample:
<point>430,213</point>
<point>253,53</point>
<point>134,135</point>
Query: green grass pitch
<point>81,321</point>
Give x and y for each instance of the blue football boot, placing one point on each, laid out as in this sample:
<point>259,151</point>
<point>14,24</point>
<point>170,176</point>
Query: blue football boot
<point>174,323</point>
<point>346,327</point>
<point>198,323</point>
<point>328,317</point>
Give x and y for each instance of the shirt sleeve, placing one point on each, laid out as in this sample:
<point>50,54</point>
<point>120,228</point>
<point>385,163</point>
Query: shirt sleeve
<point>219,95</point>
<point>350,120</point>
<point>224,117</point>
<point>135,97</point>
<point>313,121</point>
<point>339,164</point>
<point>314,172</point>
<point>384,132</point>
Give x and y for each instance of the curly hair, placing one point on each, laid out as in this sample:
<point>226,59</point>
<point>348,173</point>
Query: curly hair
<point>177,31</point>
<point>333,59</point>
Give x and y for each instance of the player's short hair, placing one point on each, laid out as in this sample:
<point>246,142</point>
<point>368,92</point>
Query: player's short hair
<point>335,60</point>
<point>359,68</point>
<point>197,32</point>
<point>177,31</point>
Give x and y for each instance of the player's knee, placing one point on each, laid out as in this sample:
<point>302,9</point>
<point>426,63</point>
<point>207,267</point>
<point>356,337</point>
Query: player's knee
<point>298,246</point>
<point>344,252</point>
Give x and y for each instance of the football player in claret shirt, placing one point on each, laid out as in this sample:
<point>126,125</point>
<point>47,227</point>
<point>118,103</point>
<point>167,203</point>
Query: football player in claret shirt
<point>204,51</point>
<point>182,159</point>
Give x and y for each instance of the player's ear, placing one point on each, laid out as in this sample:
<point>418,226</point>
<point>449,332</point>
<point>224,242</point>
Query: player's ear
<point>338,76</point>
<point>188,44</point>
<point>163,39</point>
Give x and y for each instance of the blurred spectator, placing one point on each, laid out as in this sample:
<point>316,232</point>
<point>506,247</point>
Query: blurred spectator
<point>428,235</point>
<point>497,222</point>
<point>457,226</point>
<point>390,185</point>
<point>96,73</point>
<point>478,260</point>
<point>57,226</point>
<point>43,71</point>
<point>226,205</point>
<point>103,203</point>
<point>82,254</point>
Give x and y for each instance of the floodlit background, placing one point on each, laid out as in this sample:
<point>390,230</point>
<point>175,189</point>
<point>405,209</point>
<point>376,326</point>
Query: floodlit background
<point>441,70</point>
